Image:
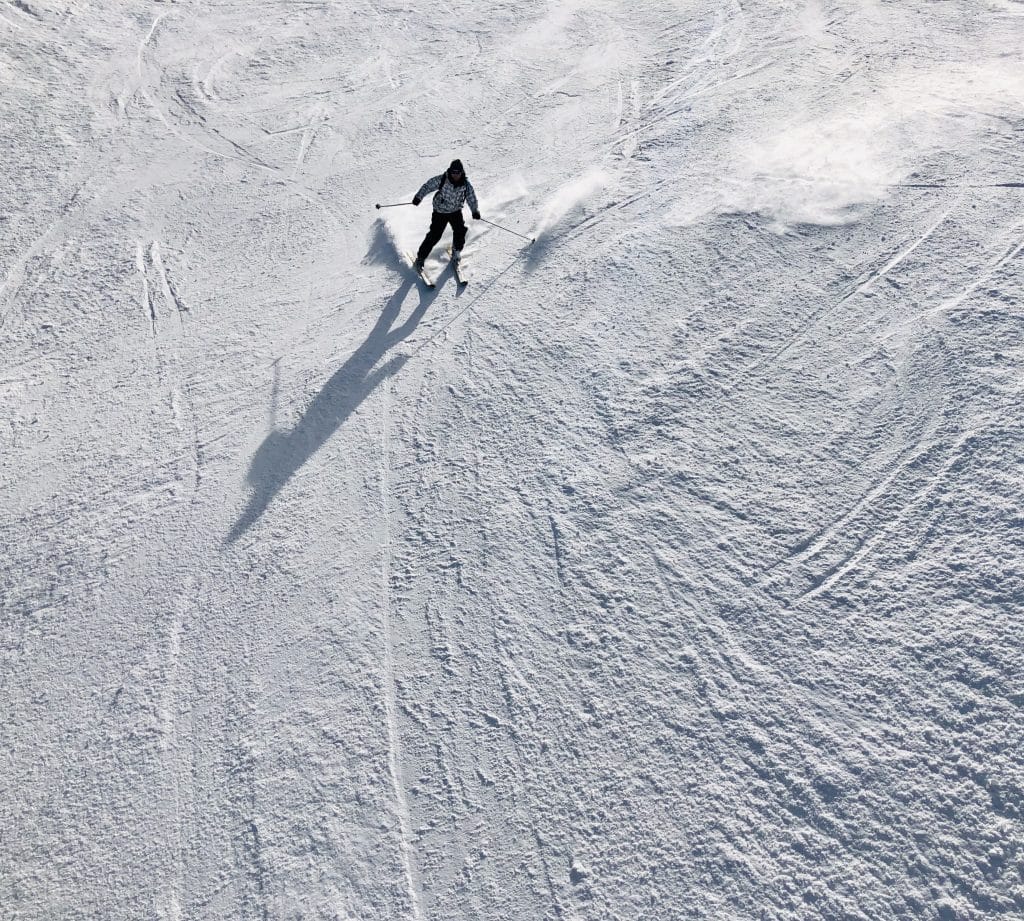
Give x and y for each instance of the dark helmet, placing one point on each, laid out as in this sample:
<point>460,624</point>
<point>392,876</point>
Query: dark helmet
<point>456,166</point>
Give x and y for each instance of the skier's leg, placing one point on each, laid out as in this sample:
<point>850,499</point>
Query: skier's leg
<point>458,232</point>
<point>437,225</point>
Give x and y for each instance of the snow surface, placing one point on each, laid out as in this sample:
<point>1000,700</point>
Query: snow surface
<point>673,569</point>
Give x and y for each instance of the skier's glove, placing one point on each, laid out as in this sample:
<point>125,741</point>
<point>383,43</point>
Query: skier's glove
<point>476,215</point>
<point>416,200</point>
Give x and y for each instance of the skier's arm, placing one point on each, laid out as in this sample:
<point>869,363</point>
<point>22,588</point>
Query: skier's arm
<point>429,186</point>
<point>471,201</point>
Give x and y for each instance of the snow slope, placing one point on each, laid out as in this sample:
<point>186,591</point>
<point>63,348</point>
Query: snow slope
<point>672,569</point>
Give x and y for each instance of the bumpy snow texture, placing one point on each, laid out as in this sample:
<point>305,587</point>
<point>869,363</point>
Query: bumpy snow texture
<point>672,569</point>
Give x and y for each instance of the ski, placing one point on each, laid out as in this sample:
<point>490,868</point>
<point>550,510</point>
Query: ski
<point>427,280</point>
<point>458,267</point>
<point>411,260</point>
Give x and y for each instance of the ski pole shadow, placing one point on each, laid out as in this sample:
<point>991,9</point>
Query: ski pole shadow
<point>283,452</point>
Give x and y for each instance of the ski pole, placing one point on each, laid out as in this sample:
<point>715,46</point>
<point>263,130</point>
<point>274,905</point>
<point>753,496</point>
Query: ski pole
<point>531,239</point>
<point>400,204</point>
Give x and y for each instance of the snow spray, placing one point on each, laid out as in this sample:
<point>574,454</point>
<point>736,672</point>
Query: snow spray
<point>570,197</point>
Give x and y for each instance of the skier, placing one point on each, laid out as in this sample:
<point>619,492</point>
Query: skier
<point>453,188</point>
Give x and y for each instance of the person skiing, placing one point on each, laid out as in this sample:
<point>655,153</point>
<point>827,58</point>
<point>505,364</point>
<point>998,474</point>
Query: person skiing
<point>452,189</point>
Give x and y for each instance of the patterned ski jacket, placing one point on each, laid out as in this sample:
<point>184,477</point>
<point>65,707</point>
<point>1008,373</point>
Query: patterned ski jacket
<point>451,197</point>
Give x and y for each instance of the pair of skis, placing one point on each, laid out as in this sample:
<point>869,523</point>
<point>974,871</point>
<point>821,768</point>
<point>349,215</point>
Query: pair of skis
<point>460,274</point>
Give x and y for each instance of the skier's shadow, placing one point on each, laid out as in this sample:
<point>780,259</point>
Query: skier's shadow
<point>283,452</point>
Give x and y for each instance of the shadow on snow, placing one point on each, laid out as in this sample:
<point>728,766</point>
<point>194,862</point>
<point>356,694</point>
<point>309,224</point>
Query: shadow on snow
<point>283,452</point>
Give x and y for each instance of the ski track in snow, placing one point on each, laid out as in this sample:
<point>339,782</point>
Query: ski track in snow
<point>669,569</point>
<point>394,736</point>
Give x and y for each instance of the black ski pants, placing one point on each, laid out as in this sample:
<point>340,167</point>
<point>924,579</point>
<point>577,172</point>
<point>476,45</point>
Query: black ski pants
<point>438,222</point>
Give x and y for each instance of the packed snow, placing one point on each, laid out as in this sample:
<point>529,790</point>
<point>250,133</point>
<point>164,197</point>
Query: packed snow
<point>673,568</point>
